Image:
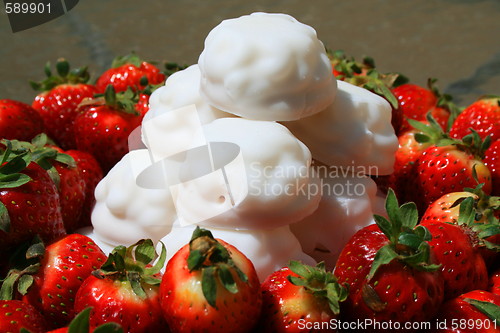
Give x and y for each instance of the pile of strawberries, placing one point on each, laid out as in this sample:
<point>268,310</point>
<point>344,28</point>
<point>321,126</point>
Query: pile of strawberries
<point>430,264</point>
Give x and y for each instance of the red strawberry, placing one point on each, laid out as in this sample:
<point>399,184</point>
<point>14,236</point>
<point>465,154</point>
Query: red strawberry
<point>449,166</point>
<point>462,266</point>
<point>494,282</point>
<point>483,116</point>
<point>59,98</point>
<point>210,286</point>
<point>63,265</point>
<point>92,174</point>
<point>71,191</point>
<point>15,315</point>
<point>476,214</point>
<point>29,201</point>
<point>415,102</point>
<point>107,123</point>
<point>477,311</point>
<point>130,72</point>
<point>492,161</point>
<point>408,152</point>
<point>19,121</point>
<point>126,290</point>
<point>390,269</point>
<point>298,298</point>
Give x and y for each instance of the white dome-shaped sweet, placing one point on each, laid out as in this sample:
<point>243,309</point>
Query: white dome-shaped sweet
<point>268,182</point>
<point>355,132</point>
<point>126,212</point>
<point>346,206</point>
<point>266,67</point>
<point>182,89</point>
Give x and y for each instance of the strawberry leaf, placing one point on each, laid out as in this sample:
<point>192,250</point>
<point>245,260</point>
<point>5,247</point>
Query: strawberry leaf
<point>80,323</point>
<point>135,282</point>
<point>13,180</point>
<point>409,215</point>
<point>491,310</point>
<point>159,263</point>
<point>145,251</point>
<point>384,256</point>
<point>25,281</point>
<point>209,285</point>
<point>4,218</point>
<point>226,279</point>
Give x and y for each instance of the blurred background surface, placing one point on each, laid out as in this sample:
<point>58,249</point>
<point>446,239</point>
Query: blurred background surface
<point>455,41</point>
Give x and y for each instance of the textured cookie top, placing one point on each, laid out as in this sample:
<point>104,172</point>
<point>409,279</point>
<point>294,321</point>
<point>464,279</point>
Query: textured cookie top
<point>266,67</point>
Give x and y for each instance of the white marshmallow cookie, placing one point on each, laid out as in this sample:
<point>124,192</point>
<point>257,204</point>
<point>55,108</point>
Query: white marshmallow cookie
<point>355,132</point>
<point>345,208</point>
<point>269,250</point>
<point>126,212</point>
<point>267,188</point>
<point>182,89</point>
<point>266,67</point>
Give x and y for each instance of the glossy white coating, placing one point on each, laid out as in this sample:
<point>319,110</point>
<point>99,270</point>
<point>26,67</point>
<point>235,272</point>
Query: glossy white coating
<point>266,66</point>
<point>354,132</point>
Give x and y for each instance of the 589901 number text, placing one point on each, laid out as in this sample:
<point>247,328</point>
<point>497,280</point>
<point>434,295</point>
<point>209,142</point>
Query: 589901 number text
<point>25,8</point>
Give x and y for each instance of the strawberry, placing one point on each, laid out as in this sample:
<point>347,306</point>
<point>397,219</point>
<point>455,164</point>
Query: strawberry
<point>299,297</point>
<point>210,286</point>
<point>477,215</point>
<point>408,152</point>
<point>107,122</point>
<point>80,324</point>
<point>16,315</point>
<point>462,266</point>
<point>65,173</point>
<point>483,116</point>
<point>51,282</point>
<point>415,102</point>
<point>390,269</point>
<point>130,287</point>
<point>72,190</point>
<point>477,311</point>
<point>59,98</point>
<point>92,174</point>
<point>19,121</point>
<point>492,161</point>
<point>29,200</point>
<point>129,72</point>
<point>449,166</point>
<point>494,282</point>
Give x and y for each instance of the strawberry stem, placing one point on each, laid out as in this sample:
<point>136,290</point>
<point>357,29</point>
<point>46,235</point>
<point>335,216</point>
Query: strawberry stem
<point>209,256</point>
<point>407,241</point>
<point>320,283</point>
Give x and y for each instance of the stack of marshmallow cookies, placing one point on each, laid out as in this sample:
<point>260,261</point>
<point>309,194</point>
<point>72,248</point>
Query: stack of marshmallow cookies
<point>259,143</point>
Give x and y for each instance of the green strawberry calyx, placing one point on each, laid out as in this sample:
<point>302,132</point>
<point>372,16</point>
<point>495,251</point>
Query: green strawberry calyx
<point>124,101</point>
<point>16,156</point>
<point>322,284</point>
<point>65,75</point>
<point>431,132</point>
<point>135,265</point>
<point>352,72</point>
<point>24,263</point>
<point>172,67</point>
<point>213,260</point>
<point>408,242</point>
<point>471,213</point>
